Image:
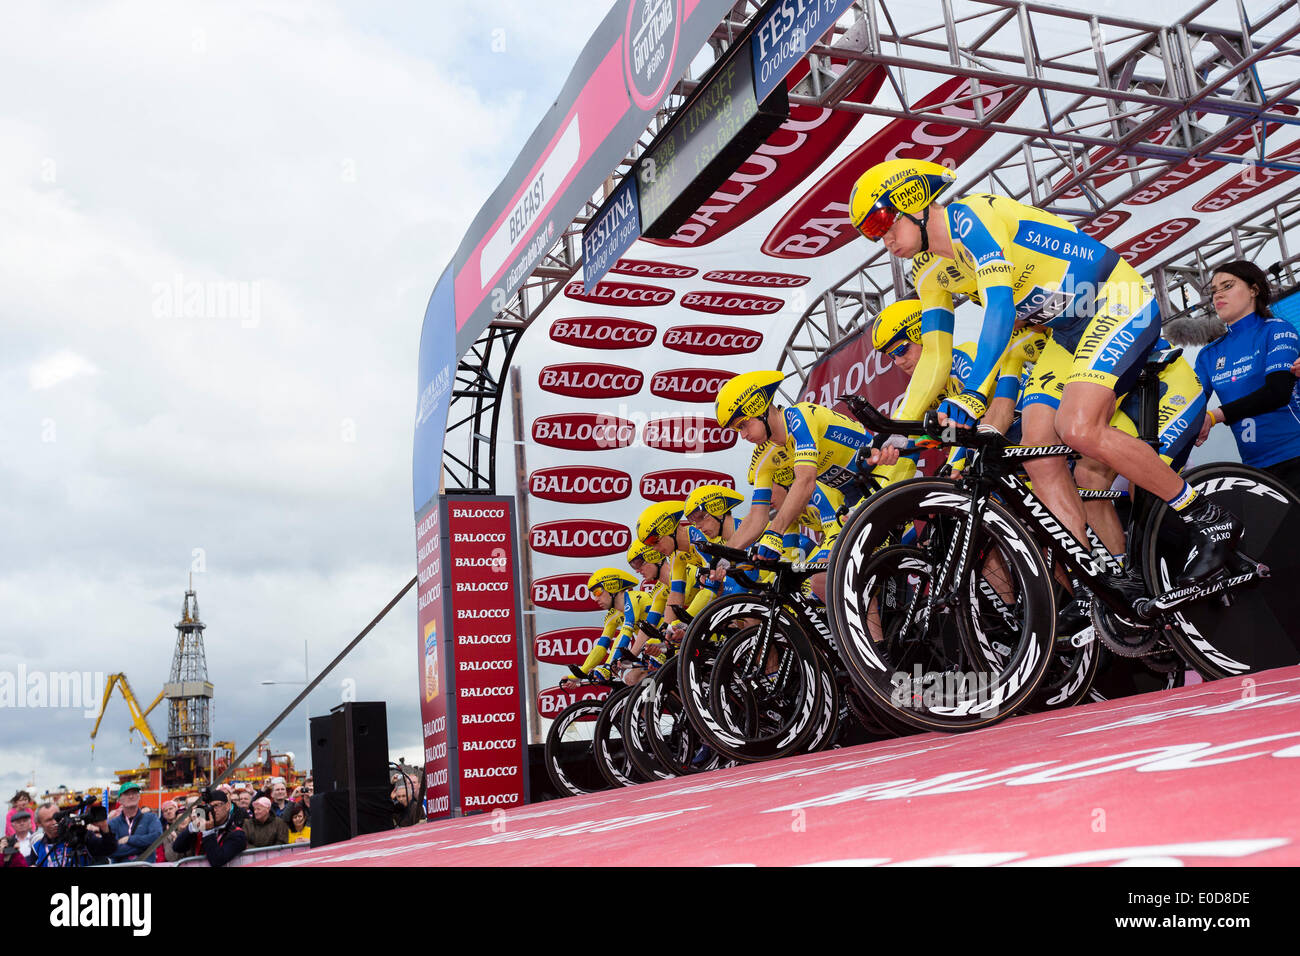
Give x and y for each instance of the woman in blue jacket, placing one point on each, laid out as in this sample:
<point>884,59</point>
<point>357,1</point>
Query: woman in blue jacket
<point>1250,368</point>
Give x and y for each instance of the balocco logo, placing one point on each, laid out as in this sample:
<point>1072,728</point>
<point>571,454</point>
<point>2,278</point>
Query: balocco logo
<point>587,380</point>
<point>568,645</point>
<point>856,369</point>
<point>564,592</point>
<point>580,484</point>
<point>783,161</point>
<point>712,339</point>
<point>773,280</point>
<point>603,332</point>
<point>1102,226</point>
<point>580,538</point>
<point>583,431</point>
<point>687,434</point>
<point>652,270</point>
<point>674,484</point>
<point>730,303</point>
<point>818,223</point>
<point>650,48</point>
<point>689,384</point>
<point>552,700</point>
<point>620,293</point>
<point>1141,248</point>
<point>1251,181</point>
<point>1194,170</point>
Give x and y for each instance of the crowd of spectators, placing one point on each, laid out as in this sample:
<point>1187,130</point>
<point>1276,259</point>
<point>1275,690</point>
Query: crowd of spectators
<point>223,822</point>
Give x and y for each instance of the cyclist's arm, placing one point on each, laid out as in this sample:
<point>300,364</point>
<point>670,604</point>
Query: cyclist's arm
<point>986,242</point>
<point>935,365</point>
<point>600,650</point>
<point>796,498</point>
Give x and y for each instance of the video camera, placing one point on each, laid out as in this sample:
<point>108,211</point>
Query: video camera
<point>72,823</point>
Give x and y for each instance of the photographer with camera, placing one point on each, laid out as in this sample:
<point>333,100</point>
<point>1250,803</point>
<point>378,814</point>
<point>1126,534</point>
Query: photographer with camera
<point>77,836</point>
<point>134,828</point>
<point>211,832</point>
<point>18,844</point>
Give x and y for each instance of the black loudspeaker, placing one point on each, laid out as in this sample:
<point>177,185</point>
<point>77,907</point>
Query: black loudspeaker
<point>349,751</point>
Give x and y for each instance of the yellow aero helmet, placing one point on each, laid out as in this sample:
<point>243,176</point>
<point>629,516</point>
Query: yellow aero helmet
<point>717,500</point>
<point>658,520</point>
<point>906,186</point>
<point>643,552</point>
<point>901,320</point>
<point>611,581</point>
<point>746,396</point>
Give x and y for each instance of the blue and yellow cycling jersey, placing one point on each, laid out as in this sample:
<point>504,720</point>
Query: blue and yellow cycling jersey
<point>827,440</point>
<point>1028,266</point>
<point>621,623</point>
<point>1235,365</point>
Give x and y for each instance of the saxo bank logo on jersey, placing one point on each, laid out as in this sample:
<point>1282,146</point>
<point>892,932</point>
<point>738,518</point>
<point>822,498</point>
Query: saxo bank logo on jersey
<point>650,49</point>
<point>712,339</point>
<point>590,380</point>
<point>580,538</point>
<point>583,431</point>
<point>580,484</point>
<point>602,332</point>
<point>564,592</point>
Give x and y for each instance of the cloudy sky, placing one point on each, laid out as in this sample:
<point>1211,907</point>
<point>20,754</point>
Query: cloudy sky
<point>221,224</point>
<point>319,160</point>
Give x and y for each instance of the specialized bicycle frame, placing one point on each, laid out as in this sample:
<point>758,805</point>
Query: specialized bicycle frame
<point>991,474</point>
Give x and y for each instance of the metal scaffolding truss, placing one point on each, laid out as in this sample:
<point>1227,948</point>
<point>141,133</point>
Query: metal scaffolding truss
<point>1104,116</point>
<point>1092,109</point>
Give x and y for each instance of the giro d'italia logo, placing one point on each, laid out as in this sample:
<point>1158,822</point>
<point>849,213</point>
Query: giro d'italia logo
<point>650,49</point>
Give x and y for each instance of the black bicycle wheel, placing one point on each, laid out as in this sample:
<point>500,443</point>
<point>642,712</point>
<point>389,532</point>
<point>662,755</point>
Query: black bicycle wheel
<point>676,744</point>
<point>570,759</point>
<point>609,747</point>
<point>935,658</point>
<point>636,727</point>
<point>1256,628</point>
<point>791,689</point>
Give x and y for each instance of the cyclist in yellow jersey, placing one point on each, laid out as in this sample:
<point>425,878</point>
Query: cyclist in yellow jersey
<point>1024,264</point>
<point>615,591</point>
<point>822,446</point>
<point>660,526</point>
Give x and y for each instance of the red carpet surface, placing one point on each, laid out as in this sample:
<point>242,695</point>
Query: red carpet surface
<point>1204,775</point>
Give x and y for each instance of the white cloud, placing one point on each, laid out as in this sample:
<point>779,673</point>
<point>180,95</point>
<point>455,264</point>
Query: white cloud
<point>59,367</point>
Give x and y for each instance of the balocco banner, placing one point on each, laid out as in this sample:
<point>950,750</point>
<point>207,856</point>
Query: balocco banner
<point>490,765</point>
<point>435,651</point>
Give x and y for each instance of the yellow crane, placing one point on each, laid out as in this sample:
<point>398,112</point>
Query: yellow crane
<point>139,721</point>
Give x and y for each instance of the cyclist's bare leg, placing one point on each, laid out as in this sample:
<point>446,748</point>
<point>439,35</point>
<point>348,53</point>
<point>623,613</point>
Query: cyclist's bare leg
<point>1102,518</point>
<point>1053,484</point>
<point>1083,421</point>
